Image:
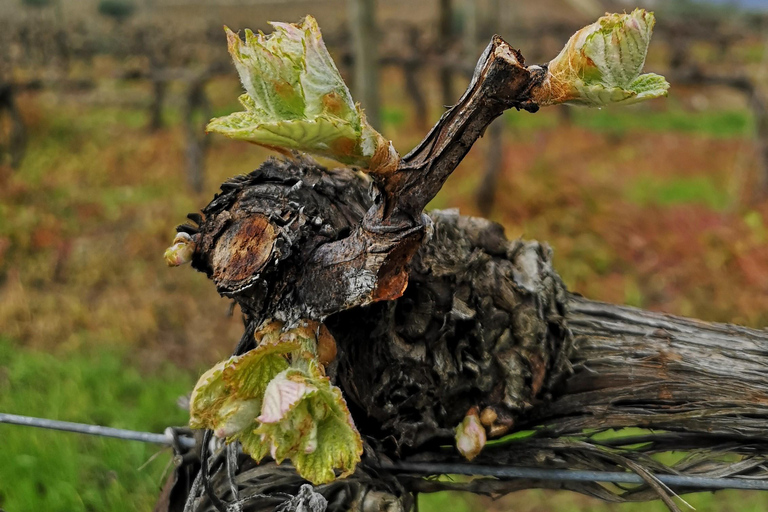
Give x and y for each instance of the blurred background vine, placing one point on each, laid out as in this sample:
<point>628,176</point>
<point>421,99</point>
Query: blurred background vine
<point>662,205</point>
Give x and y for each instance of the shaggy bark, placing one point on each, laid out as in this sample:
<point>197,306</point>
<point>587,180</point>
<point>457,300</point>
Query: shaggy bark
<point>480,324</point>
<point>487,322</point>
<point>436,314</point>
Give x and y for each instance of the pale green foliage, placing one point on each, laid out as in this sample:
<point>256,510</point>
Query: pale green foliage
<point>228,397</point>
<point>296,99</point>
<point>601,63</point>
<point>309,423</point>
<point>276,400</point>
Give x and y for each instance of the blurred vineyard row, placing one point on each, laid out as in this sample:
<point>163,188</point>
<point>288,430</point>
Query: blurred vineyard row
<point>659,206</point>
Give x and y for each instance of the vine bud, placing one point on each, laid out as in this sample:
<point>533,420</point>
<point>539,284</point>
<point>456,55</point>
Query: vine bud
<point>296,100</point>
<point>470,435</point>
<point>601,64</point>
<point>181,251</point>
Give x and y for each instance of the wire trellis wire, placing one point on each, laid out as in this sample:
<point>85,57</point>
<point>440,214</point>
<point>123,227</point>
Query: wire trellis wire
<point>425,468</point>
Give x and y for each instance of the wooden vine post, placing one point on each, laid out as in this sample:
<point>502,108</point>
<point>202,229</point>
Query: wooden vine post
<point>377,334</point>
<point>16,144</point>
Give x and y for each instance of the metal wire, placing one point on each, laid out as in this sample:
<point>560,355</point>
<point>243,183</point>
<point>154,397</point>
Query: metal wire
<point>424,468</point>
<point>567,475</point>
<point>95,430</point>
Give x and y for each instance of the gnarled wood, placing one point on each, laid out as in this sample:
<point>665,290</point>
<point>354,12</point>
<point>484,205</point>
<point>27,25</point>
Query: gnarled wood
<point>651,370</point>
<point>434,315</point>
<point>486,322</point>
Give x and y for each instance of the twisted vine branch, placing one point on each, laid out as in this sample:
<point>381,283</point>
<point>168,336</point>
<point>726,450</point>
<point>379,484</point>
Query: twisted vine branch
<point>437,315</point>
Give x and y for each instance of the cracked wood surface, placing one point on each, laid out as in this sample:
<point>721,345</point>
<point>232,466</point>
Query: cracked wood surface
<point>486,322</point>
<point>434,314</point>
<point>652,370</point>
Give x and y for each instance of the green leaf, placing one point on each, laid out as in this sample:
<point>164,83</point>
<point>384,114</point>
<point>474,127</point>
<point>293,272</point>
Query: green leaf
<point>325,136</point>
<point>252,443</point>
<point>207,397</point>
<point>309,422</point>
<point>249,375</point>
<point>617,47</point>
<point>234,416</point>
<point>648,86</point>
<point>601,64</point>
<point>337,446</point>
<point>296,99</point>
<point>276,400</point>
<point>228,397</point>
<point>283,393</point>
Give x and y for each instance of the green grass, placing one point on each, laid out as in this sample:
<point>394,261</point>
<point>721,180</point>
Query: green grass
<point>698,189</point>
<point>393,117</point>
<point>446,501</point>
<point>59,471</point>
<point>620,120</point>
<point>522,121</point>
<point>715,123</point>
<point>538,500</point>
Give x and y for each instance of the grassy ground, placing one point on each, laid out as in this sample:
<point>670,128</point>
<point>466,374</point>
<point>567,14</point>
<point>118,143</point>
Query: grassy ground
<point>48,470</point>
<point>649,206</point>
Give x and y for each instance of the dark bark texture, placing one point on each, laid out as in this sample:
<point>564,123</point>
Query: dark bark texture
<point>482,323</point>
<point>437,314</point>
<point>486,322</point>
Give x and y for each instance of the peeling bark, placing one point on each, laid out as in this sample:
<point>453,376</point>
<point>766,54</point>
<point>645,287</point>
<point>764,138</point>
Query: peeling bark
<point>482,323</point>
<point>651,370</point>
<point>487,322</point>
<point>438,314</point>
